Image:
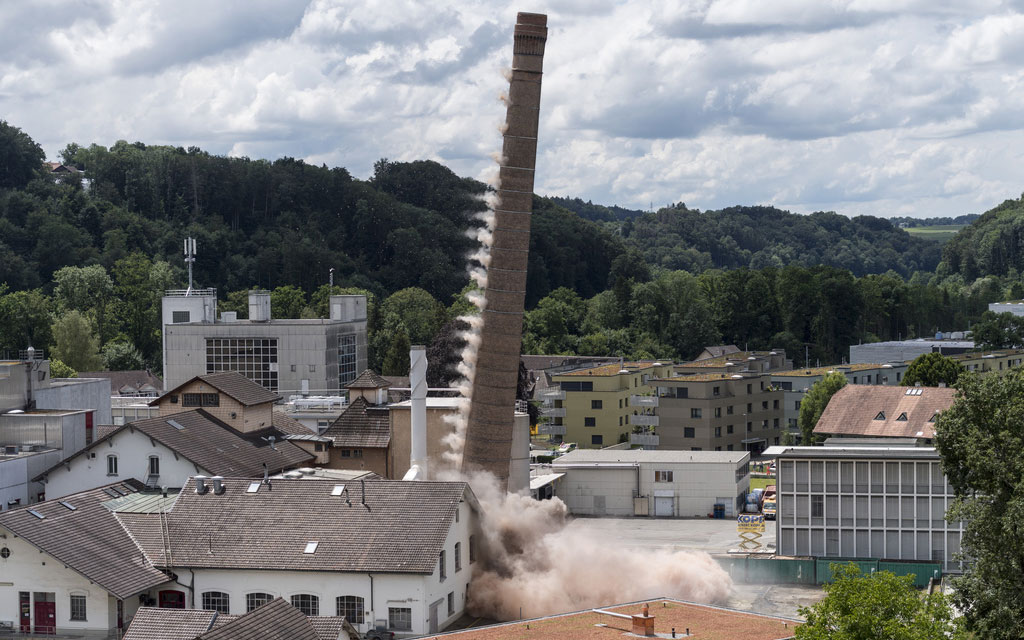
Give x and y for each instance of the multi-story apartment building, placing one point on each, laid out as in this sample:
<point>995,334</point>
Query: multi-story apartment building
<point>795,384</point>
<point>718,412</point>
<point>595,407</point>
<point>985,362</point>
<point>865,500</point>
<point>288,355</point>
<point>738,362</point>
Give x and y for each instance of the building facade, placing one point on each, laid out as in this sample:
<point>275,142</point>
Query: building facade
<point>907,350</point>
<point>617,483</point>
<point>869,501</point>
<point>283,355</point>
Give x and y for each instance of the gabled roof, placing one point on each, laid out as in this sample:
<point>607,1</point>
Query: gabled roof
<point>152,623</point>
<point>126,381</point>
<point>401,528</point>
<point>718,350</point>
<point>88,539</point>
<point>288,425</point>
<point>361,425</point>
<point>212,445</point>
<point>368,380</point>
<point>233,384</point>
<point>276,620</point>
<point>869,410</point>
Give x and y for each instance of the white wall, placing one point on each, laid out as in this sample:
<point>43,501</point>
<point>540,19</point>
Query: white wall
<point>92,394</point>
<point>16,477</point>
<point>132,451</point>
<point>581,485</point>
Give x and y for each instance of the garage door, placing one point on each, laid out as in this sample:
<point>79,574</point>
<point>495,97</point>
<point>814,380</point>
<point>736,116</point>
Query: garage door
<point>663,507</point>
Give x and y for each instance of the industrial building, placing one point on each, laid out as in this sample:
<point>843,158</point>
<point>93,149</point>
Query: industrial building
<point>907,350</point>
<point>305,356</point>
<point>1016,307</point>
<point>870,499</point>
<point>624,482</point>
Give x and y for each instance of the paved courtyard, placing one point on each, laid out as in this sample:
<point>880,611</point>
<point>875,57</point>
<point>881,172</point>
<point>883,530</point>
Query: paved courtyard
<point>712,536</point>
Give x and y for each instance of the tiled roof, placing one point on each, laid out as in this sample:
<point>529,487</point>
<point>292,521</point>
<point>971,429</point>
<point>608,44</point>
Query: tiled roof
<point>896,412</point>
<point>401,528</point>
<point>361,425</point>
<point>276,620</point>
<point>126,380</point>
<point>152,623</point>
<point>233,384</point>
<point>721,350</point>
<point>88,539</point>
<point>288,425</point>
<point>704,621</point>
<point>368,380</point>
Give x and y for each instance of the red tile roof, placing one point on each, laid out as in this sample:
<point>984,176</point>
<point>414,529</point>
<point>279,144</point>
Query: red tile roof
<point>361,425</point>
<point>882,411</point>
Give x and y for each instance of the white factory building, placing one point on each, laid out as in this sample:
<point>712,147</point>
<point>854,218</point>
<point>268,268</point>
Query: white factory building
<point>624,482</point>
<point>869,499</point>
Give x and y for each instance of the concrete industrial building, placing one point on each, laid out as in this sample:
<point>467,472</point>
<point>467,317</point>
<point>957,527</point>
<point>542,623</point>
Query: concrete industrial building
<point>717,412</point>
<point>625,482</point>
<point>873,499</point>
<point>595,406</point>
<point>907,350</point>
<point>1016,307</point>
<point>490,432</point>
<point>795,384</point>
<point>283,355</point>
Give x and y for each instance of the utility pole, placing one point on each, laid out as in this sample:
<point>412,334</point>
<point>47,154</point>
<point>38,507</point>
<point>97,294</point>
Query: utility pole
<point>331,277</point>
<point>190,258</point>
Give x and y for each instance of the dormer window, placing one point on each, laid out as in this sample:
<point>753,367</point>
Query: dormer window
<point>935,416</point>
<point>902,417</point>
<point>880,416</point>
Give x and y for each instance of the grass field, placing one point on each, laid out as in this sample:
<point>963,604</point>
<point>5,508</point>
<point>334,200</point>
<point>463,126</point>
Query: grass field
<point>760,483</point>
<point>939,233</point>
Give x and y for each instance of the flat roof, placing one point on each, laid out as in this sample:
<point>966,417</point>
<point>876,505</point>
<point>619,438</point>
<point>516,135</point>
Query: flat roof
<point>43,412</point>
<point>841,368</point>
<point>433,402</point>
<point>881,452</point>
<point>614,369</point>
<point>647,455</point>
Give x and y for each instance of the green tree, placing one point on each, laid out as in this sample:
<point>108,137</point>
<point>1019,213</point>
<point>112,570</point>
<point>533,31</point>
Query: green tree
<point>421,314</point>
<point>122,356</point>
<point>25,320</point>
<point>20,157</point>
<point>60,370</point>
<point>998,331</point>
<point>75,341</point>
<point>815,401</point>
<point>981,440</point>
<point>396,359</point>
<point>880,606</point>
<point>237,301</point>
<point>931,370</point>
<point>85,289</point>
<point>287,302</point>
<point>139,284</point>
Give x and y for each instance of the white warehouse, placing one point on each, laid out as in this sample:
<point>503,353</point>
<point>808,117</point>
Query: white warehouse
<point>623,482</point>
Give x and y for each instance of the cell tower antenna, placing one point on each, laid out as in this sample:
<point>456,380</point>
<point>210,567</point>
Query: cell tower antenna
<point>190,258</point>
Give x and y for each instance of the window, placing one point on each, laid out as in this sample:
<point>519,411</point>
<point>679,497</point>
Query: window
<point>620,403</point>
<point>764,405</point>
<point>880,416</point>
<point>442,564</point>
<point>111,465</point>
<point>350,608</point>
<point>902,417</point>
<point>589,422</point>
<point>576,386</point>
<point>688,432</point>
<point>458,555</point>
<point>716,391</point>
<point>293,368</point>
<point>307,603</point>
<point>217,601</point>
<point>174,399</point>
<point>400,618</point>
<point>596,439</point>
<point>77,607</point>
<point>728,447</point>
<point>472,549</point>
<point>254,358</point>
<point>750,389</point>
<point>346,453</point>
<point>597,404</point>
<point>718,412</point>
<point>154,465</point>
<point>663,476</point>
<point>620,421</point>
<point>695,412</point>
<point>256,600</point>
<point>797,405</point>
<point>312,368</point>
<point>775,423</point>
<point>775,404</point>
<point>177,317</point>
<point>728,428</point>
<point>817,506</point>
<point>718,432</point>
<point>346,358</point>
<point>750,408</point>
<point>762,385</point>
<point>728,410</point>
<point>451,603</point>
<point>319,446</point>
<point>750,426</point>
<point>201,400</point>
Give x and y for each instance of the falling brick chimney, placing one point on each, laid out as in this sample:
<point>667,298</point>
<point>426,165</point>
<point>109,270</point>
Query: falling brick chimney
<point>489,430</point>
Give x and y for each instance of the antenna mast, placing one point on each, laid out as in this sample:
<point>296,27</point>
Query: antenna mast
<point>190,258</point>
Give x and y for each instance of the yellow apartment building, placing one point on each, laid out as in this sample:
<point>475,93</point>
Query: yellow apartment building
<point>985,362</point>
<point>593,407</point>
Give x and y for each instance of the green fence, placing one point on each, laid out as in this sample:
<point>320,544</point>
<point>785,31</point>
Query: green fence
<point>811,571</point>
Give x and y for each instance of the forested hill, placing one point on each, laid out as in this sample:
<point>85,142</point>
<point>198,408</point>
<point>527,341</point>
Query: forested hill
<point>991,245</point>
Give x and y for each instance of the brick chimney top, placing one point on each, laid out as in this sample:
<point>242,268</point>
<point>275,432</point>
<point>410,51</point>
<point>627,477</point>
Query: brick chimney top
<point>643,624</point>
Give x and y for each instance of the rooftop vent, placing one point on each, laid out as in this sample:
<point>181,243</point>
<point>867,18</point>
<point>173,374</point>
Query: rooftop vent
<point>311,546</point>
<point>201,484</point>
<point>218,485</point>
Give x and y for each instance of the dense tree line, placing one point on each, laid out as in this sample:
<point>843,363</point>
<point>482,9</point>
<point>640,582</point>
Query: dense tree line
<point>991,245</point>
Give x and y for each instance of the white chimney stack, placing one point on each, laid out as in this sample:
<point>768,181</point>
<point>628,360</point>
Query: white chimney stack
<point>418,414</point>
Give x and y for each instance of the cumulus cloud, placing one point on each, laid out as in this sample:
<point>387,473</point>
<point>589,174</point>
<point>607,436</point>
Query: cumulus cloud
<point>894,107</point>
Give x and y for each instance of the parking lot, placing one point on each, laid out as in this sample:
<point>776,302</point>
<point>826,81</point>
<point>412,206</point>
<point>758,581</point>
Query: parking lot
<point>712,536</point>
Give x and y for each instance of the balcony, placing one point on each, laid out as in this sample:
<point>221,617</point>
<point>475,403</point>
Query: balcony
<point>644,420</point>
<point>551,394</point>
<point>643,401</point>
<point>552,412</point>
<point>646,440</point>
<point>551,429</point>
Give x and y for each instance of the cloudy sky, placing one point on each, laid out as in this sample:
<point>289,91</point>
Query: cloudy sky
<point>882,107</point>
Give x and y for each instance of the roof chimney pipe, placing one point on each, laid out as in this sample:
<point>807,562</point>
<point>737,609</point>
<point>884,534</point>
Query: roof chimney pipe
<point>201,485</point>
<point>418,414</point>
<point>218,485</point>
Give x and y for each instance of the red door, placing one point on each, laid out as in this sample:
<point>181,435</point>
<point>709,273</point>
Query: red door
<point>172,599</point>
<point>46,617</point>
